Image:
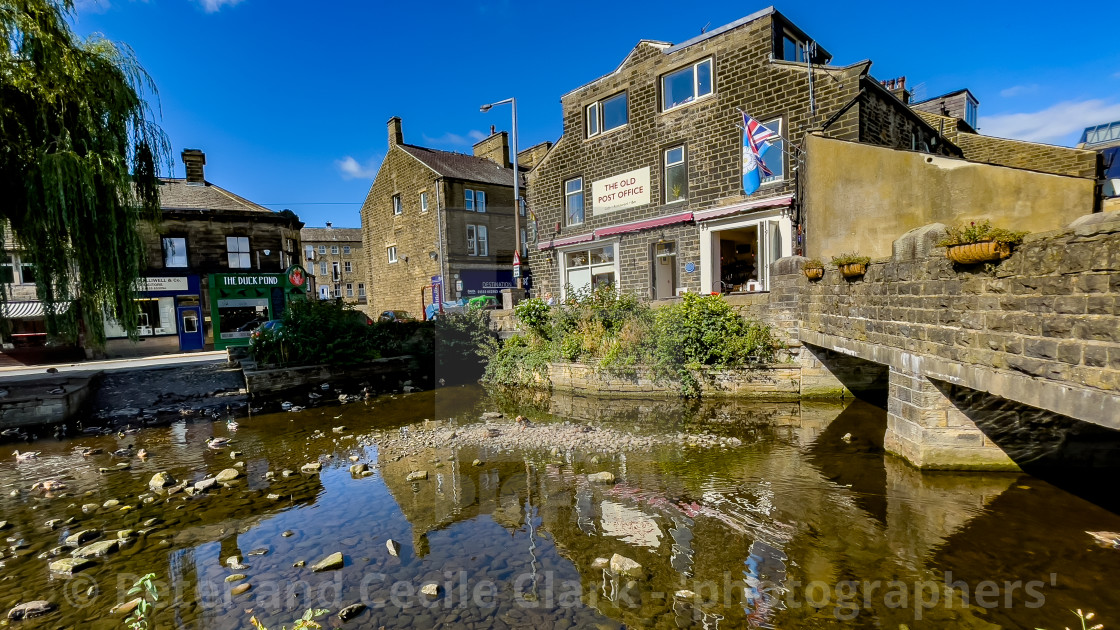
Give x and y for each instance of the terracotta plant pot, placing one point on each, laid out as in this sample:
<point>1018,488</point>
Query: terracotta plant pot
<point>973,253</point>
<point>814,273</point>
<point>853,270</point>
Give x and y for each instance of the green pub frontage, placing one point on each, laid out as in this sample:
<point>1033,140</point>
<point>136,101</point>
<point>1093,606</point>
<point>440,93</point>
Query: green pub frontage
<point>239,302</point>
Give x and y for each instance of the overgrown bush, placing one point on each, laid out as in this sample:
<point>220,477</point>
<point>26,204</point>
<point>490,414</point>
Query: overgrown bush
<point>314,332</point>
<point>463,342</point>
<point>618,333</point>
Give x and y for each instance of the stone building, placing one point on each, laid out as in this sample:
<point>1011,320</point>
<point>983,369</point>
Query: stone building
<point>1105,139</point>
<point>336,264</point>
<point>440,219</point>
<point>644,187</point>
<point>217,266</point>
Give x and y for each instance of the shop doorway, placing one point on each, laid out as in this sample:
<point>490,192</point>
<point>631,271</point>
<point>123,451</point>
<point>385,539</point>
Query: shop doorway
<point>664,270</point>
<point>740,254</point>
<point>190,328</point>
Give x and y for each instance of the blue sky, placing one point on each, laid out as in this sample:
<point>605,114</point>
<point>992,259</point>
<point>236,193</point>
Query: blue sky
<point>289,100</point>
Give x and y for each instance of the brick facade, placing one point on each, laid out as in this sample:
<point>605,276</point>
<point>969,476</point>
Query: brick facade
<point>746,76</point>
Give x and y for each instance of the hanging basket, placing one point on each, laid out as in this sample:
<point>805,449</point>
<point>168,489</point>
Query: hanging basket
<point>973,253</point>
<point>814,273</point>
<point>853,270</point>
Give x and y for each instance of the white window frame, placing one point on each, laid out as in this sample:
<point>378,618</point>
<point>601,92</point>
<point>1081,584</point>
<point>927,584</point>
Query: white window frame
<point>562,259</point>
<point>398,209</point>
<point>524,245</point>
<point>424,201</point>
<point>346,250</point>
<point>483,237</point>
<point>391,251</point>
<point>309,252</point>
<point>323,268</point>
<point>361,289</point>
<point>777,125</point>
<point>596,122</point>
<point>334,250</point>
<point>480,201</point>
<point>665,165</point>
<point>348,267</point>
<point>336,271</point>
<point>472,240</point>
<point>567,194</point>
<point>163,245</point>
<point>468,199</point>
<point>695,84</point>
<point>322,250</point>
<point>244,256</point>
<point>591,116</point>
<point>349,289</point>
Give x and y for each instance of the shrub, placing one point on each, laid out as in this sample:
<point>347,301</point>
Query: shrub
<point>462,343</point>
<point>850,259</point>
<point>534,313</point>
<point>973,233</point>
<point>813,263</point>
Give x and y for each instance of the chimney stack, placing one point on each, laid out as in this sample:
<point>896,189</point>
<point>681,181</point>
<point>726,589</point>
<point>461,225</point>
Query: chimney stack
<point>194,160</point>
<point>328,223</point>
<point>495,148</point>
<point>396,134</point>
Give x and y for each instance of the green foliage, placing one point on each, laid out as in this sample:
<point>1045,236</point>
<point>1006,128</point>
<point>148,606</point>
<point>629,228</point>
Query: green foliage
<point>306,622</point>
<point>619,334</point>
<point>317,332</point>
<point>534,314</point>
<point>973,233</point>
<point>850,259</point>
<point>141,617</point>
<point>462,343</point>
<point>78,166</point>
<point>814,263</point>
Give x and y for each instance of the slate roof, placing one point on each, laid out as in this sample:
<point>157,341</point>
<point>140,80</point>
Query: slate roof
<point>331,234</point>
<point>177,194</point>
<point>461,165</point>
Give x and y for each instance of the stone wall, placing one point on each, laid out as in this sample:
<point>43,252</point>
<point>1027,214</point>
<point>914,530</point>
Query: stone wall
<point>278,381</point>
<point>1029,155</point>
<point>771,382</point>
<point>29,403</point>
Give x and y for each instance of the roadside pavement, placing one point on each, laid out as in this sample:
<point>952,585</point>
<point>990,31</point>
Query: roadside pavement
<point>114,365</point>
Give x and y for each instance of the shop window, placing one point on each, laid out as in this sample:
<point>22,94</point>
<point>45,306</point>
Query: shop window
<point>361,289</point>
<point>588,268</point>
<point>686,85</point>
<point>573,200</point>
<point>237,250</point>
<point>676,175</point>
<point>174,252</point>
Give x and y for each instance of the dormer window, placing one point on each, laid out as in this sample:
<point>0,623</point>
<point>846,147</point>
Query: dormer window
<point>686,85</point>
<point>607,114</point>
<point>793,48</point>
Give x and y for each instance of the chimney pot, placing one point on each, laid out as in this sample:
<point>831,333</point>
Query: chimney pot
<point>194,160</point>
<point>396,134</point>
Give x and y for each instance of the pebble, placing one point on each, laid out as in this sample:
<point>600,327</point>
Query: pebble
<point>241,588</point>
<point>226,476</point>
<point>125,608</point>
<point>417,475</point>
<point>394,548</point>
<point>351,611</point>
<point>431,589</point>
<point>626,566</point>
<point>330,563</point>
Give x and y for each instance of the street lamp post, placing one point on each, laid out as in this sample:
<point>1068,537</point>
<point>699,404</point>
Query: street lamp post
<point>516,179</point>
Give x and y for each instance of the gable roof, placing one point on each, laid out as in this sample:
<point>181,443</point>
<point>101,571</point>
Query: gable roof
<point>177,194</point>
<point>461,165</point>
<point>331,234</point>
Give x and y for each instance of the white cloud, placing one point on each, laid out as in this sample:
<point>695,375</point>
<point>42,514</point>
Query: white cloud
<point>1055,123</point>
<point>471,137</point>
<point>1018,90</point>
<point>353,169</point>
<point>213,6</point>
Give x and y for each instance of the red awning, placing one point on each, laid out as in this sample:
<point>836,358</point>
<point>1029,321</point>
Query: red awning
<point>756,204</point>
<point>648,224</point>
<point>570,240</point>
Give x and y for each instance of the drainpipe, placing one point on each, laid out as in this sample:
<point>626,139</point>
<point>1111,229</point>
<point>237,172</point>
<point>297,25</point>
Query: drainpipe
<point>439,241</point>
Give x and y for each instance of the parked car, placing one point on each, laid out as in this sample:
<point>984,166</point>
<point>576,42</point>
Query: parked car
<point>273,324</point>
<point>396,316</point>
<point>360,317</point>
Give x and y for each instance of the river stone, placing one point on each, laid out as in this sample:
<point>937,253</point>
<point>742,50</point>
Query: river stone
<point>417,475</point>
<point>351,611</point>
<point>125,534</point>
<point>110,504</point>
<point>125,608</point>
<point>227,475</point>
<point>90,507</point>
<point>477,462</point>
<point>160,480</point>
<point>354,458</point>
<point>241,588</point>
<point>600,563</point>
<point>287,473</point>
<point>236,577</point>
<point>431,589</point>
<point>287,533</point>
<point>235,454</point>
<point>313,467</point>
<point>625,566</point>
<point>98,549</point>
<point>394,548</point>
<point>358,469</point>
<point>4,525</point>
<point>491,415</point>
<point>685,594</point>
<point>330,563</point>
<point>78,539</point>
<point>601,477</point>
<point>30,609</point>
<point>70,566</point>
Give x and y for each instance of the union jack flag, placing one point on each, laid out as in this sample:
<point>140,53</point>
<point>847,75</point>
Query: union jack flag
<point>755,137</point>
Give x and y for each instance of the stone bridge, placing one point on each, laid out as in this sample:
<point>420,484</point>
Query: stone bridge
<point>991,366</point>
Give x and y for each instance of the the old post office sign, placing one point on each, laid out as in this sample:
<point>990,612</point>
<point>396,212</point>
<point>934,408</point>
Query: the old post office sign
<point>628,190</point>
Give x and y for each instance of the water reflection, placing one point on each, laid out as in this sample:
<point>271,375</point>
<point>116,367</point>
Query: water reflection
<point>807,524</point>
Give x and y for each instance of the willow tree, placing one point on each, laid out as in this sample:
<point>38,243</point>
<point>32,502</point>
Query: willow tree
<point>79,164</point>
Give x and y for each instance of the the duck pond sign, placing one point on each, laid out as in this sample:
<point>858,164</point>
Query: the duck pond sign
<point>239,302</point>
